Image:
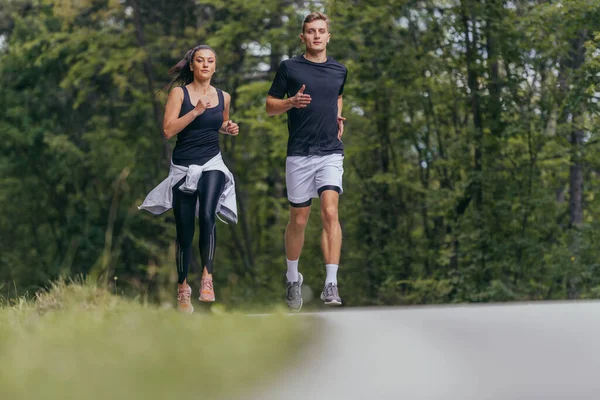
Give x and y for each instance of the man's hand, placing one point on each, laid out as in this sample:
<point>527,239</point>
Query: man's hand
<point>340,122</point>
<point>300,100</point>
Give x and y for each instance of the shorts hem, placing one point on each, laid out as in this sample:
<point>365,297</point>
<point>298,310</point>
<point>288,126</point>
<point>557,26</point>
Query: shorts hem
<point>331,184</point>
<point>299,200</point>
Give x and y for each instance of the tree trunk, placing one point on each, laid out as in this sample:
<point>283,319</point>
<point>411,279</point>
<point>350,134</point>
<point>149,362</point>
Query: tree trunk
<point>470,30</point>
<point>149,74</point>
<point>576,178</point>
<point>573,118</point>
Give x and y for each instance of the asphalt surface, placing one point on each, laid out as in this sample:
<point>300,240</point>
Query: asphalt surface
<point>539,350</point>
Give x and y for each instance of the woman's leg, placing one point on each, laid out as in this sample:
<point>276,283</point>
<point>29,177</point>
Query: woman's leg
<point>184,208</point>
<point>210,188</point>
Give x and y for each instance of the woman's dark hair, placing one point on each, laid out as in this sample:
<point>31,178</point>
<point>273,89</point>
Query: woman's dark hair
<point>181,70</point>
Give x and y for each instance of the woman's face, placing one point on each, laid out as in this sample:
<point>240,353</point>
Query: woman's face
<point>204,63</point>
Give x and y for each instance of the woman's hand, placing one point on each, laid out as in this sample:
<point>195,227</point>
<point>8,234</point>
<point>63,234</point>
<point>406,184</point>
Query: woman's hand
<point>201,106</point>
<point>231,128</point>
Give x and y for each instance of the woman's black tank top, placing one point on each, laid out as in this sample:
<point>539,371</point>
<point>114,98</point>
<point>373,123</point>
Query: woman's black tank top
<point>199,141</point>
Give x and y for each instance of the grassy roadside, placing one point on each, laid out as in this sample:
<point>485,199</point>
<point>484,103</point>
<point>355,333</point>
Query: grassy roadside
<point>80,342</point>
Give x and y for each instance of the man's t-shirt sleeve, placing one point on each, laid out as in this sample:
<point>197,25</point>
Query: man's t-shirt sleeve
<point>279,85</point>
<point>341,91</point>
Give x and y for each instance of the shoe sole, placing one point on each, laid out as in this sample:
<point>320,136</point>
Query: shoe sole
<point>301,301</point>
<point>331,302</point>
<point>206,300</point>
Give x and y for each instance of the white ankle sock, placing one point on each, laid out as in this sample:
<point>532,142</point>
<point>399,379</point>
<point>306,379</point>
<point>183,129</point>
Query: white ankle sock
<point>292,271</point>
<point>331,274</point>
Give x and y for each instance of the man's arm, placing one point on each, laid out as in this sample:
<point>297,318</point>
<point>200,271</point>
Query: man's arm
<point>277,106</point>
<point>340,119</point>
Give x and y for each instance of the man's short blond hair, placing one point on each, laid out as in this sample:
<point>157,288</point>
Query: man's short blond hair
<point>316,16</point>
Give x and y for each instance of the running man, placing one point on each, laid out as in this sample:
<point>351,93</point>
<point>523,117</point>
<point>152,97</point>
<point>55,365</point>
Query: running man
<point>313,84</point>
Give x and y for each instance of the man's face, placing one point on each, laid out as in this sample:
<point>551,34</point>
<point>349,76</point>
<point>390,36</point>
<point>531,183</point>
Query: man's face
<point>315,35</point>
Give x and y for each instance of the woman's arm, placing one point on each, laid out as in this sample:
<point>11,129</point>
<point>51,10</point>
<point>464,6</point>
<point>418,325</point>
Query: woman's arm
<point>228,127</point>
<point>172,124</point>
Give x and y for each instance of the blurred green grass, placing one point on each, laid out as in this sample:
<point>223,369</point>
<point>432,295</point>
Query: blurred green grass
<point>77,341</point>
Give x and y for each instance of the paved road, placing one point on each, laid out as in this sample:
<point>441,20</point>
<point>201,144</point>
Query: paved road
<point>540,351</point>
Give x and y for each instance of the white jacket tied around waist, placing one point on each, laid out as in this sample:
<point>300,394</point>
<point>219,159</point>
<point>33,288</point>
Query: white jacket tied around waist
<point>160,199</point>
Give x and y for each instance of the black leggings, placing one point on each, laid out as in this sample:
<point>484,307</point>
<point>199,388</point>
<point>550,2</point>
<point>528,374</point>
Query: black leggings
<point>210,188</point>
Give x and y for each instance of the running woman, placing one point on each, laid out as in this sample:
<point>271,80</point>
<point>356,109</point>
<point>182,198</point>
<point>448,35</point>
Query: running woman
<point>313,84</point>
<point>199,182</point>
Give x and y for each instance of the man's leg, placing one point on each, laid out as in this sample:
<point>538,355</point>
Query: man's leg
<point>294,240</point>
<point>331,238</point>
<point>294,232</point>
<point>331,243</point>
<point>329,182</point>
<point>299,179</point>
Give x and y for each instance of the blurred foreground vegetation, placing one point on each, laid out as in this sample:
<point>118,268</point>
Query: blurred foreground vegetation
<point>80,342</point>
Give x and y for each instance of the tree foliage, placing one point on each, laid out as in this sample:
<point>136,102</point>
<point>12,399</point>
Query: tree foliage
<point>471,166</point>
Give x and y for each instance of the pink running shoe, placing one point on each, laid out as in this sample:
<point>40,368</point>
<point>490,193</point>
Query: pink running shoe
<point>184,299</point>
<point>207,293</point>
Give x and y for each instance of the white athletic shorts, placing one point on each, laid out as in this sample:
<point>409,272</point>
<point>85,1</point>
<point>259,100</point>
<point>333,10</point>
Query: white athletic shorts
<point>305,176</point>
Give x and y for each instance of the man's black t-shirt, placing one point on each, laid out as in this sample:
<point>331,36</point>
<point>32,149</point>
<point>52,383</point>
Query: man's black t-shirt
<point>313,130</point>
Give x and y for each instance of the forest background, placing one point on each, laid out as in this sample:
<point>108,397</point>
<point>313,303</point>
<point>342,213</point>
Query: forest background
<point>472,147</point>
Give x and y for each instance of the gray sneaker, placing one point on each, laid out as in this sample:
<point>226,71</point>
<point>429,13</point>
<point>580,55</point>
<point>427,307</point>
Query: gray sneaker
<point>330,295</point>
<point>293,295</point>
